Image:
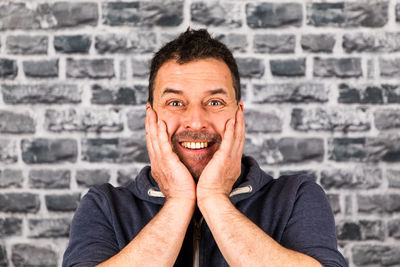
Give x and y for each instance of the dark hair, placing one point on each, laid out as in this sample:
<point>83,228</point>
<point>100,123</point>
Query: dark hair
<point>193,45</point>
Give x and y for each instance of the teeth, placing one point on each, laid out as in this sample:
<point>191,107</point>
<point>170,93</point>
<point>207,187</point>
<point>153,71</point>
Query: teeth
<point>194,145</point>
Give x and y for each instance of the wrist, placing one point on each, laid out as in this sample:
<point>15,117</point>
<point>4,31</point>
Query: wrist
<point>207,199</point>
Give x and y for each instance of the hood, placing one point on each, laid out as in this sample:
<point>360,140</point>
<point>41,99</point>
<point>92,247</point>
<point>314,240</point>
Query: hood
<point>252,178</point>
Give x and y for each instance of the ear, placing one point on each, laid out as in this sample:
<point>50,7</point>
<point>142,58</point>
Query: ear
<point>148,105</point>
<point>240,105</point>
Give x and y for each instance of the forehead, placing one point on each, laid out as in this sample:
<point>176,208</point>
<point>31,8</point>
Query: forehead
<point>194,77</point>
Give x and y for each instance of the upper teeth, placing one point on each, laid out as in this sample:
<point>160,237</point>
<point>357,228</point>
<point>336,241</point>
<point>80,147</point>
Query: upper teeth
<point>194,145</point>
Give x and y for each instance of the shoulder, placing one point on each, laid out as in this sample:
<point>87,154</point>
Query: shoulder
<point>297,185</point>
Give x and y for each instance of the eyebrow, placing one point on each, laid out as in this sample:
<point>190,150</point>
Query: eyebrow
<point>209,92</point>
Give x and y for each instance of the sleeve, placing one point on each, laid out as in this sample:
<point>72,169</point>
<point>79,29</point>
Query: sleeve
<point>311,227</point>
<point>92,238</point>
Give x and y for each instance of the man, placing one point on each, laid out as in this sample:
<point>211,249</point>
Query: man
<point>202,203</point>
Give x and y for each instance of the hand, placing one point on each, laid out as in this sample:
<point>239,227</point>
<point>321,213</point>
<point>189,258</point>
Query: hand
<point>220,174</point>
<point>173,178</point>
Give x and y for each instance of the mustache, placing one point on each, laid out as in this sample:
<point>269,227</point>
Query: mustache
<point>200,136</point>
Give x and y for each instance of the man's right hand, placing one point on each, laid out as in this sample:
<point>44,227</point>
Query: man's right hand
<point>173,178</point>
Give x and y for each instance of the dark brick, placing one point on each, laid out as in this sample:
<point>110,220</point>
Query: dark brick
<point>114,150</point>
<point>393,177</point>
<point>330,119</point>
<point>72,44</point>
<point>19,202</point>
<point>272,15</point>
<point>334,201</point>
<point>10,227</point>
<point>86,120</point>
<point>274,44</point>
<point>124,177</point>
<point>300,150</point>
<point>90,178</point>
<point>41,150</point>
<point>397,13</point>
<point>90,68</point>
<point>27,45</point>
<point>360,94</point>
<point>41,68</point>
<point>337,67</point>
<point>317,43</point>
<point>49,227</point>
<point>41,93</point>
<point>388,203</point>
<point>290,92</point>
<point>143,14</point>
<point>348,231</point>
<point>372,230</point>
<point>31,255</point>
<point>16,123</point>
<point>367,42</point>
<point>386,119</point>
<point>8,151</point>
<point>49,179</point>
<point>11,178</point>
<point>216,14</point>
<point>347,149</point>
<point>119,96</point>
<point>3,256</point>
<point>136,119</point>
<point>262,122</point>
<point>74,14</point>
<point>367,254</point>
<point>360,230</point>
<point>288,67</point>
<point>235,42</point>
<point>250,67</point>
<point>393,93</point>
<point>384,148</point>
<point>348,14</point>
<point>357,178</point>
<point>394,228</point>
<point>140,68</point>
<point>18,16</point>
<point>8,68</point>
<point>139,42</point>
<point>389,67</point>
<point>63,202</point>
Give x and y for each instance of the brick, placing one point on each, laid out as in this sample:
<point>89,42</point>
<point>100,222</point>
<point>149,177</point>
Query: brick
<point>11,178</point>
<point>318,43</point>
<point>90,68</point>
<point>49,227</point>
<point>347,149</point>
<point>139,42</point>
<point>290,92</point>
<point>10,227</point>
<point>367,254</point>
<point>347,230</point>
<point>18,16</point>
<point>16,123</point>
<point>41,68</point>
<point>360,230</point>
<point>216,14</point>
<point>250,67</point>
<point>8,151</point>
<point>337,67</point>
<point>90,178</point>
<point>121,95</point>
<point>393,93</point>
<point>85,120</point>
<point>49,179</point>
<point>368,94</point>
<point>69,44</point>
<point>274,44</point>
<point>41,150</point>
<point>397,11</point>
<point>140,68</point>
<point>262,122</point>
<point>114,150</point>
<point>235,42</point>
<point>383,148</point>
<point>19,202</point>
<point>143,14</point>
<point>394,228</point>
<point>330,119</point>
<point>8,68</point>
<point>27,45</point>
<point>74,14</point>
<point>41,93</point>
<point>334,201</point>
<point>32,255</point>
<point>273,15</point>
<point>62,202</point>
<point>348,14</point>
<point>386,119</point>
<point>124,177</point>
<point>388,203</point>
<point>367,42</point>
<point>3,256</point>
<point>136,119</point>
<point>364,177</point>
<point>389,67</point>
<point>393,177</point>
<point>288,67</point>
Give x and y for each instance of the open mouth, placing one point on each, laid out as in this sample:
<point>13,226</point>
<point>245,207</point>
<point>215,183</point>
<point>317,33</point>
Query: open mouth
<point>195,145</point>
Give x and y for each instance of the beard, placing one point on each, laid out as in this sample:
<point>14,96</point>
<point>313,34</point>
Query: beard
<point>196,162</point>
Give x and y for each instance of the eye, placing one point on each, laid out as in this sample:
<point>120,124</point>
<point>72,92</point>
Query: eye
<point>175,103</point>
<point>214,103</point>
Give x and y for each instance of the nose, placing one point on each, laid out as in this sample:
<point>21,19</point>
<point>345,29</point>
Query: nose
<point>195,118</point>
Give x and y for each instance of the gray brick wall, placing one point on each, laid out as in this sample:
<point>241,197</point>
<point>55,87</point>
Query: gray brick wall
<point>321,87</point>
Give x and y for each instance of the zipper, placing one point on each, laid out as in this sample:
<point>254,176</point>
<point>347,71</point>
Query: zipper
<point>196,242</point>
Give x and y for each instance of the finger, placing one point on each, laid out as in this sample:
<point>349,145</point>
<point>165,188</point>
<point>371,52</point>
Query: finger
<point>163,140</point>
<point>226,144</point>
<point>150,149</point>
<point>153,132</point>
<point>239,133</point>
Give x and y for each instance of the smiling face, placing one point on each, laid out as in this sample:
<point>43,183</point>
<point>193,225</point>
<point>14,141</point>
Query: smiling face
<point>195,100</point>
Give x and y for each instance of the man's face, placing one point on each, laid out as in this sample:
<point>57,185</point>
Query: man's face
<point>195,100</point>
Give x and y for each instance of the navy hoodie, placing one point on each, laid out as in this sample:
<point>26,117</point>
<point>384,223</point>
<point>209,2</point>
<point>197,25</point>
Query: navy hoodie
<point>293,210</point>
